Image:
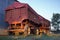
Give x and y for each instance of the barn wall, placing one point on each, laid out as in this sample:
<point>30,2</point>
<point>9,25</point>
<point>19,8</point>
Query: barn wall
<point>17,14</point>
<point>13,15</point>
<point>33,16</point>
<point>24,14</point>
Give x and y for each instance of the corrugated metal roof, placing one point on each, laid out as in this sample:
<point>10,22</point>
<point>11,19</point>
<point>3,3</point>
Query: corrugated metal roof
<point>15,5</point>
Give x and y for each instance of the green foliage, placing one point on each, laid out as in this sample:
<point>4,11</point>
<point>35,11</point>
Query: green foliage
<point>56,17</point>
<point>55,22</point>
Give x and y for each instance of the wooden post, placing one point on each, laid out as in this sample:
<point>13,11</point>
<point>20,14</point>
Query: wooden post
<point>28,30</point>
<point>21,26</point>
<point>16,33</point>
<point>25,33</point>
<point>41,32</point>
<point>44,31</point>
<point>25,29</point>
<point>37,32</point>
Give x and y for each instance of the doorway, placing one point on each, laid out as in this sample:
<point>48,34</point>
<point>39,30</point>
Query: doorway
<point>11,33</point>
<point>32,31</point>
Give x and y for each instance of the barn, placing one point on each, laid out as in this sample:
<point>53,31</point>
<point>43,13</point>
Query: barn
<point>23,20</point>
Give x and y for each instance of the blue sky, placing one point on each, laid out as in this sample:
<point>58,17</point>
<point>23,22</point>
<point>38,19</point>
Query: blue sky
<point>45,8</point>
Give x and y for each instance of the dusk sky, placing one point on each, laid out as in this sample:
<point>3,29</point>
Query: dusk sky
<point>45,8</point>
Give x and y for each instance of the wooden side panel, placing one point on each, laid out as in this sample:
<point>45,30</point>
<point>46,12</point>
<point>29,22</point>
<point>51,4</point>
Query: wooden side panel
<point>23,12</point>
<point>13,15</point>
<point>33,17</point>
<point>8,15</point>
<point>16,16</point>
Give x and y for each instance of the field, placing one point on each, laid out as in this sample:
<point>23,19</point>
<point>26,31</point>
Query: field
<point>30,37</point>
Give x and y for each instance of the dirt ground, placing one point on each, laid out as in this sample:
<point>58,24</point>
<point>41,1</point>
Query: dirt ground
<point>30,37</point>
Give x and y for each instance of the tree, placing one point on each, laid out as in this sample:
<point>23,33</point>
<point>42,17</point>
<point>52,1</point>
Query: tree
<point>55,21</point>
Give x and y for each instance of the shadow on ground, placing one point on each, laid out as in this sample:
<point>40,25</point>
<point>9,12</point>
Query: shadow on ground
<point>30,37</point>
